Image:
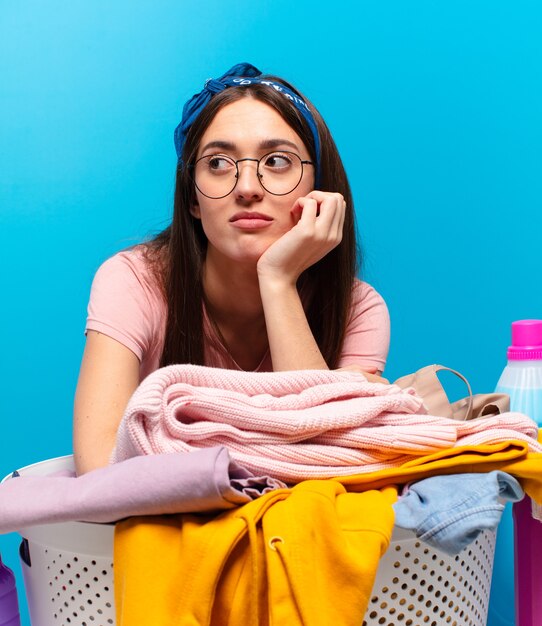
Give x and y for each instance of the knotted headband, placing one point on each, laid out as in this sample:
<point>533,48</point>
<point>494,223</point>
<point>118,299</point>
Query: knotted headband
<point>241,74</point>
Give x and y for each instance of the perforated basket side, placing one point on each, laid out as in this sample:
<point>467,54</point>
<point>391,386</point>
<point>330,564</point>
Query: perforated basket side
<point>417,585</point>
<point>68,589</point>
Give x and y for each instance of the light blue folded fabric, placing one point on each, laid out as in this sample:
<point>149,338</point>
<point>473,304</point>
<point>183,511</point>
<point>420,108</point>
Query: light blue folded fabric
<point>449,512</point>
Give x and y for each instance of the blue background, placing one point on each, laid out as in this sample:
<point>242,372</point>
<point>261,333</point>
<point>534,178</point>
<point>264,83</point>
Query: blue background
<point>435,107</point>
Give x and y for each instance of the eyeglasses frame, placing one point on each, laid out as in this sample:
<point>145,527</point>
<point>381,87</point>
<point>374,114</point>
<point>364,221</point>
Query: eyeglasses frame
<point>260,176</point>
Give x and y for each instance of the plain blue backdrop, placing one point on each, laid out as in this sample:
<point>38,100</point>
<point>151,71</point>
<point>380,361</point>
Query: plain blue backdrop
<point>436,109</point>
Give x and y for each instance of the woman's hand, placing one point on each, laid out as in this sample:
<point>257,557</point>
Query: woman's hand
<point>319,224</point>
<point>372,377</point>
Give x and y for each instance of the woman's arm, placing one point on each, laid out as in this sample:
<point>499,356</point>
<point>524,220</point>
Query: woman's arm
<point>317,232</point>
<point>108,377</point>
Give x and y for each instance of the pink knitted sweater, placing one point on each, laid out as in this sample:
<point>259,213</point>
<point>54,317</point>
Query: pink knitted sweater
<point>297,425</point>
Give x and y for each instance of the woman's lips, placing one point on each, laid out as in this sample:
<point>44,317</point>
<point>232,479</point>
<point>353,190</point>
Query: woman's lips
<point>250,220</point>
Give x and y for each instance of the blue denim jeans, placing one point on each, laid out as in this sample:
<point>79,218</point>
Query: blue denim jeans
<point>449,512</point>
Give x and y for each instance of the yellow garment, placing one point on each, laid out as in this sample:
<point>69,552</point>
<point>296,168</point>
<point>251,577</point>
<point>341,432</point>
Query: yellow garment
<point>510,456</point>
<point>188,570</point>
<point>305,556</point>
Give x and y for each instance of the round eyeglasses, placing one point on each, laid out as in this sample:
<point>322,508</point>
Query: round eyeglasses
<point>279,173</point>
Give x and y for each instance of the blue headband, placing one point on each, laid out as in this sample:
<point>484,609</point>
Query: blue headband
<point>241,74</point>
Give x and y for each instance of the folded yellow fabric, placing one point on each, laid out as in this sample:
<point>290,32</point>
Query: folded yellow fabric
<point>510,456</point>
<point>302,556</point>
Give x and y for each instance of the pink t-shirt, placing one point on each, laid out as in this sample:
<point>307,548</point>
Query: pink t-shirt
<point>126,304</point>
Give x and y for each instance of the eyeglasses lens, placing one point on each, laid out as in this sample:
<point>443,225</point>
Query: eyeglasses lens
<point>279,173</point>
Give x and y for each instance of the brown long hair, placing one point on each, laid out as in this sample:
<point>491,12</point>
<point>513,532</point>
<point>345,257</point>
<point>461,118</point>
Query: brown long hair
<point>176,255</point>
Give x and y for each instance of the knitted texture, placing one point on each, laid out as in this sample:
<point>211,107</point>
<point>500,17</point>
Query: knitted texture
<point>296,425</point>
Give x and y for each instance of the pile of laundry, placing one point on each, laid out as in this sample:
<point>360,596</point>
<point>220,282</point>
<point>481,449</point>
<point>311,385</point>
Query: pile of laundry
<point>298,425</point>
<point>196,439</point>
<point>274,465</point>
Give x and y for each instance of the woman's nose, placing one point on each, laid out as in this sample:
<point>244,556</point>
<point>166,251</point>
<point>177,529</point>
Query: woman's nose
<point>248,185</point>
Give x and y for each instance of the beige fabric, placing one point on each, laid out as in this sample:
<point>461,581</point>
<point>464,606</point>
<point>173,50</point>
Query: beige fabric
<point>428,386</point>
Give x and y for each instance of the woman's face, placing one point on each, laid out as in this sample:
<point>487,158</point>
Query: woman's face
<point>242,225</point>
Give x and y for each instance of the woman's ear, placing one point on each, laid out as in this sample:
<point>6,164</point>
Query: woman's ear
<point>194,211</point>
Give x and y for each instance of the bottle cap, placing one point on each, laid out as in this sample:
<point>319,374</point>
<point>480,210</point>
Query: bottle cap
<point>526,341</point>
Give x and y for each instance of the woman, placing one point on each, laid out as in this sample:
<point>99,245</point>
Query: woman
<point>256,272</point>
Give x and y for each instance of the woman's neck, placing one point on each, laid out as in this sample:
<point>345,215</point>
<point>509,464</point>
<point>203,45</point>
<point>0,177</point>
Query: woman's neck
<point>232,291</point>
<point>235,310</point>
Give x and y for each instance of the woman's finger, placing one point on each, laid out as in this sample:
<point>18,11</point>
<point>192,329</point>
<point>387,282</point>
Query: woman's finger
<point>306,208</point>
<point>337,224</point>
<point>330,207</point>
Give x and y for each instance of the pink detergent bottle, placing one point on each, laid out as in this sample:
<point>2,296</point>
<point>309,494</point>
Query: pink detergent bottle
<point>9,606</point>
<point>522,380</point>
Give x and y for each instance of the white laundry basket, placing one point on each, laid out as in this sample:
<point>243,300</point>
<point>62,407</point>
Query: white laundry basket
<point>68,575</point>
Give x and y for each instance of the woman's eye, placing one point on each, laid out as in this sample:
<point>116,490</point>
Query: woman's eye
<point>278,161</point>
<point>219,164</point>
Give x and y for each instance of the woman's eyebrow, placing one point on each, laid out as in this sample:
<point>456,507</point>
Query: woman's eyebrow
<point>223,145</point>
<point>266,144</point>
<point>273,143</point>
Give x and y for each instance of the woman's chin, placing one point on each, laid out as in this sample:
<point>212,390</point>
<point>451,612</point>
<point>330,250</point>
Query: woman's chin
<point>240,257</point>
<point>249,254</point>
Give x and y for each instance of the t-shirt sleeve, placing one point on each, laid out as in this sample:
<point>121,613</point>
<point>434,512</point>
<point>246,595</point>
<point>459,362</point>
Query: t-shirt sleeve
<point>123,303</point>
<point>367,338</point>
